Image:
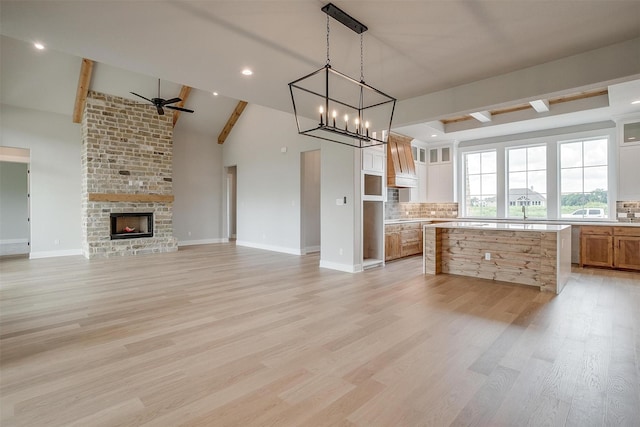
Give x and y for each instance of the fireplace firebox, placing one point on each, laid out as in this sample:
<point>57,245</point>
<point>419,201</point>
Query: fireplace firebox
<point>131,225</point>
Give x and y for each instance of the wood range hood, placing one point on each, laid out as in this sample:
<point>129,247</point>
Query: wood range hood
<point>401,171</point>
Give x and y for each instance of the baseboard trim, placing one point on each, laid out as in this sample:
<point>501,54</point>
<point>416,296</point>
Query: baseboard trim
<point>201,242</point>
<point>311,249</point>
<point>13,241</point>
<point>53,254</point>
<point>347,268</point>
<point>269,247</point>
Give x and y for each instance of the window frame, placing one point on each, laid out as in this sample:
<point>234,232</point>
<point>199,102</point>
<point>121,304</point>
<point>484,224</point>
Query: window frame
<point>463,188</point>
<point>610,206</point>
<point>507,171</point>
<point>552,139</point>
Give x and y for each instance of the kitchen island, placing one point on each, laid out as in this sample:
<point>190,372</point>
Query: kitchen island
<point>529,254</point>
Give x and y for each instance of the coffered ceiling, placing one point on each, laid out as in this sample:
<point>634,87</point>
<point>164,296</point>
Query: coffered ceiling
<point>412,48</point>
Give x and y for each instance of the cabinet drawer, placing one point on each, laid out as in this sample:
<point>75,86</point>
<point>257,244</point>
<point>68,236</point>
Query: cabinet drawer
<point>626,231</point>
<point>411,248</point>
<point>597,229</point>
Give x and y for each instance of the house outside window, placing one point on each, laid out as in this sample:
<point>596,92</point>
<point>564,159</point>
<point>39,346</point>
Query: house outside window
<point>527,181</point>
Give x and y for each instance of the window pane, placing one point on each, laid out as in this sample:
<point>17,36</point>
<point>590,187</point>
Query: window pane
<point>480,186</point>
<point>474,185</point>
<point>537,158</point>
<point>584,186</point>
<point>571,180</point>
<point>473,163</point>
<point>595,152</point>
<point>595,178</point>
<point>488,162</point>
<point>537,181</point>
<point>571,155</point>
<point>517,159</point>
<point>517,180</point>
<point>489,184</point>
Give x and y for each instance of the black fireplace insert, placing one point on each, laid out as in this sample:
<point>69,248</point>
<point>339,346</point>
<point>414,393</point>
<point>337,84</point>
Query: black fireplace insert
<point>131,225</point>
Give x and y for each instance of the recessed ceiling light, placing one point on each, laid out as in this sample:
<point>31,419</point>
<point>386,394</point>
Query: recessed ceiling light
<point>247,72</point>
<point>215,93</point>
<point>433,135</point>
<point>38,45</point>
<point>635,102</point>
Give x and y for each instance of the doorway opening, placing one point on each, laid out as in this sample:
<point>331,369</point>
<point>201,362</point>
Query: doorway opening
<point>232,202</point>
<point>310,201</point>
<point>15,223</point>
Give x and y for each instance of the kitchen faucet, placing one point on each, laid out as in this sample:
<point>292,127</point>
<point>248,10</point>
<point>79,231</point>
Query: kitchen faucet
<point>524,213</point>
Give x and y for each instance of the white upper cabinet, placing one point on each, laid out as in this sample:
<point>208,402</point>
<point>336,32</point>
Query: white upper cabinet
<point>440,175</point>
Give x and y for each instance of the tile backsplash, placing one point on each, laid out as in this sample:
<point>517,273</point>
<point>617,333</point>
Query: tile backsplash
<point>630,211</point>
<point>394,209</point>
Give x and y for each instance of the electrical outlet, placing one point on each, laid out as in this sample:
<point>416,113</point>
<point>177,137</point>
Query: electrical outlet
<point>487,256</point>
<point>340,251</point>
<point>189,233</point>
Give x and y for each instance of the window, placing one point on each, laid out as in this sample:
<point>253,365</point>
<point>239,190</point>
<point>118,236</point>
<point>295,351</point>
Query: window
<point>583,178</point>
<point>480,189</point>
<point>527,181</point>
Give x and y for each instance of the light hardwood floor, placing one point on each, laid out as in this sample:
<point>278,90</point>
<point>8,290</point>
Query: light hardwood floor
<point>221,335</point>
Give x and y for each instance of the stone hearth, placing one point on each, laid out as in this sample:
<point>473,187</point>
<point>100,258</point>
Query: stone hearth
<point>127,153</point>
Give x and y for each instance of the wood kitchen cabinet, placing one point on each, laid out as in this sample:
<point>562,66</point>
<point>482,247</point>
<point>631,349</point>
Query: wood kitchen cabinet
<point>626,247</point>
<point>596,246</point>
<point>401,240</point>
<point>613,247</point>
<point>392,245</point>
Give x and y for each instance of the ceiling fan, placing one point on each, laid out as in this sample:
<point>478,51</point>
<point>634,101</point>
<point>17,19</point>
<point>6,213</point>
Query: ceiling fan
<point>161,103</point>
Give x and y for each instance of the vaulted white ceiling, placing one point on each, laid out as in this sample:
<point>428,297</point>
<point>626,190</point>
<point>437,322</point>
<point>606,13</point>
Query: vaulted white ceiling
<point>412,48</point>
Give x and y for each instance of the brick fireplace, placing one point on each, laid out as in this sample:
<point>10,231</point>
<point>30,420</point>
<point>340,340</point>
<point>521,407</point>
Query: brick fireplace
<point>127,153</point>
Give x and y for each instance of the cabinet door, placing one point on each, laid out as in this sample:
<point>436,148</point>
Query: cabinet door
<point>627,252</point>
<point>410,242</point>
<point>391,246</point>
<point>596,250</point>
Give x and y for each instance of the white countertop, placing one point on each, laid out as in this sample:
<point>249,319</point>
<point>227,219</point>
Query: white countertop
<point>408,220</point>
<point>514,221</point>
<point>480,225</point>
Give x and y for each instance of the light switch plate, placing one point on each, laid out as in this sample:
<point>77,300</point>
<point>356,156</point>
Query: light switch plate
<point>622,214</point>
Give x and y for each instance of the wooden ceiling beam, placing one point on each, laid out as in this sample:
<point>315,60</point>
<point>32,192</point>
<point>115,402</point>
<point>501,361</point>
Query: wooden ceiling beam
<point>232,121</point>
<point>184,95</point>
<point>83,89</point>
<point>521,107</point>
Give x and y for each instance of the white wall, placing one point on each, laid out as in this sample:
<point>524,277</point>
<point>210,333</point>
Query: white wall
<point>269,188</point>
<point>14,211</point>
<point>54,142</point>
<point>341,230</point>
<point>268,180</point>
<point>197,186</point>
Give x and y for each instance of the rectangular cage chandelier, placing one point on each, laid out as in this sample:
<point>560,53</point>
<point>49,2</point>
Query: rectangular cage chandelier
<point>330,105</point>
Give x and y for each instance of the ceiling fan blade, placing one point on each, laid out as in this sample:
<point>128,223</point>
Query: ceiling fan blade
<point>160,110</point>
<point>133,93</point>
<point>171,101</point>
<point>186,110</point>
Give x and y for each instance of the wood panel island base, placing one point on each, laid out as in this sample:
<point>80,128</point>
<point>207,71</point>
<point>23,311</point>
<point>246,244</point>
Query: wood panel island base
<point>528,254</point>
